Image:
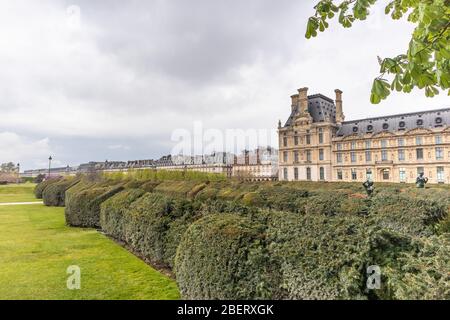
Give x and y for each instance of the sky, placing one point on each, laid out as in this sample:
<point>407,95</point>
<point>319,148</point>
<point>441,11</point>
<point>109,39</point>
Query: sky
<point>118,80</point>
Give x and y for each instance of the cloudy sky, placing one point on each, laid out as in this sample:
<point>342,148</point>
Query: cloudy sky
<point>95,80</point>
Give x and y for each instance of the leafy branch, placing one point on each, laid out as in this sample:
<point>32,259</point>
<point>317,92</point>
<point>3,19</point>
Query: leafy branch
<point>425,65</point>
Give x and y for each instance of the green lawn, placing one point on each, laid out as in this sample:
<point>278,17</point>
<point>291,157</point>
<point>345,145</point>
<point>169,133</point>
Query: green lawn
<point>36,247</point>
<point>17,193</point>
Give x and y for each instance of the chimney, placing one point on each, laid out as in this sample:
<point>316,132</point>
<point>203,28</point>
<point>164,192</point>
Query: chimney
<point>303,100</point>
<point>339,110</point>
<point>294,104</point>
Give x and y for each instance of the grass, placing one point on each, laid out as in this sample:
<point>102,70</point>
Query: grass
<point>36,248</point>
<point>17,193</point>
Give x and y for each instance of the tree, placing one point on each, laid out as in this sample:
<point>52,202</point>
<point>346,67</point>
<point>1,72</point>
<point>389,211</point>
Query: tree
<point>8,167</point>
<point>425,65</point>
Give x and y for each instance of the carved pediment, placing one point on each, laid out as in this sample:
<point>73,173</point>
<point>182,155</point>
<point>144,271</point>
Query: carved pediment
<point>351,137</point>
<point>383,134</point>
<point>419,131</point>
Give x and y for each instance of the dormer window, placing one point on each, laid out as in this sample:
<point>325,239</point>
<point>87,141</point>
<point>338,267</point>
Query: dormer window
<point>385,126</point>
<point>402,124</point>
<point>438,120</point>
<point>370,128</point>
<point>419,122</point>
<point>355,129</point>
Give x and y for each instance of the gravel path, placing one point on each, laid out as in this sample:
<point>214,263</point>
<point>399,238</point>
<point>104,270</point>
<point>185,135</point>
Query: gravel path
<point>20,203</point>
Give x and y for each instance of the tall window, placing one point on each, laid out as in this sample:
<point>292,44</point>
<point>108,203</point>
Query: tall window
<point>368,156</point>
<point>419,141</point>
<point>296,173</point>
<point>419,154</point>
<point>321,156</point>
<point>386,174</point>
<point>339,174</point>
<point>308,139</point>
<point>339,146</point>
<point>354,175</point>
<point>308,155</point>
<point>368,144</point>
<point>353,157</point>
<point>308,173</point>
<point>284,141</point>
<point>401,155</point>
<point>322,173</point>
<point>369,175</point>
<point>353,145</point>
<point>285,156</point>
<point>440,175</point>
<point>402,174</point>
<point>339,157</point>
<point>439,153</point>
<point>285,173</point>
<point>438,139</point>
<point>384,143</point>
<point>384,155</point>
<point>401,142</point>
<point>320,135</point>
<point>296,156</point>
<point>296,140</point>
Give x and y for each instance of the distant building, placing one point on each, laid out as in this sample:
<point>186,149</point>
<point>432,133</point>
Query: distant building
<point>214,163</point>
<point>258,165</point>
<point>316,144</point>
<point>61,171</point>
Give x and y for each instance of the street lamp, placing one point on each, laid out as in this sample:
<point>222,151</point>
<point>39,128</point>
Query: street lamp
<point>49,165</point>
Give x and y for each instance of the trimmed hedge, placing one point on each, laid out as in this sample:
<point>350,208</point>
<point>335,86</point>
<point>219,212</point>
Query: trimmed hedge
<point>407,215</point>
<point>83,207</point>
<point>319,257</point>
<point>40,187</point>
<point>179,188</point>
<point>424,274</point>
<point>222,257</point>
<point>145,224</point>
<point>54,194</point>
<point>112,212</point>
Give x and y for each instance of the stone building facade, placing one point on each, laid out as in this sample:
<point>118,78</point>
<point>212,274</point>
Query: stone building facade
<point>316,144</point>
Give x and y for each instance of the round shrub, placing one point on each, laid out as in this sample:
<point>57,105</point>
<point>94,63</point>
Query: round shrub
<point>222,257</point>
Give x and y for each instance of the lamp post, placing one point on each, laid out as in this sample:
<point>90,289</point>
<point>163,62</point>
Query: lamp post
<point>18,172</point>
<point>49,165</point>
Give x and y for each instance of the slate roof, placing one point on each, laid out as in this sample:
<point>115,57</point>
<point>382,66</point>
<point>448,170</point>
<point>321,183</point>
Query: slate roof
<point>319,107</point>
<point>399,122</point>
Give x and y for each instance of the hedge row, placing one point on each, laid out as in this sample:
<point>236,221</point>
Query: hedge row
<point>236,240</point>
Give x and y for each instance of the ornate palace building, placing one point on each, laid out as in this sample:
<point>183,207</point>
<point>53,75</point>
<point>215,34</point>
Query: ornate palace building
<point>316,144</point>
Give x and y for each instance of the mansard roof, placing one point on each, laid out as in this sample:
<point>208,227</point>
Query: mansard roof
<point>320,108</point>
<point>399,122</point>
